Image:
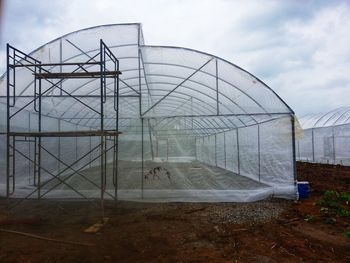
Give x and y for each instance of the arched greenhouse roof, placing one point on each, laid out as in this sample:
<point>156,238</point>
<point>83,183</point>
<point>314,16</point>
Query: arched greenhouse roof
<point>172,82</point>
<point>334,117</point>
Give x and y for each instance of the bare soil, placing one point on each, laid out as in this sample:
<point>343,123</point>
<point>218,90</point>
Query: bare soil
<point>267,231</point>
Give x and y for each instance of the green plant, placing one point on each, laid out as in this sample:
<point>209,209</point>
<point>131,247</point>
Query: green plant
<point>347,232</point>
<point>311,218</point>
<point>333,203</point>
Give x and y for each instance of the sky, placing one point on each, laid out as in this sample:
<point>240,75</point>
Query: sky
<point>300,48</point>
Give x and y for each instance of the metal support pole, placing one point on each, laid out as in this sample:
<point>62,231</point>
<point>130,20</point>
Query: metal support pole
<point>116,139</point>
<point>8,129</point>
<point>238,158</point>
<point>333,138</point>
<point>142,164</point>
<point>13,164</point>
<point>90,138</point>
<point>167,149</point>
<point>225,147</point>
<point>29,151</point>
<point>59,145</point>
<point>139,65</point>
<point>217,87</point>
<point>61,60</point>
<point>76,144</point>
<point>216,157</point>
<point>195,148</point>
<point>39,139</point>
<point>102,170</point>
<point>150,138</point>
<point>259,151</point>
<point>293,147</point>
<point>313,145</point>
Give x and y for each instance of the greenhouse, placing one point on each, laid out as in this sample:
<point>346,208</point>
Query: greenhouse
<point>326,138</point>
<point>97,113</point>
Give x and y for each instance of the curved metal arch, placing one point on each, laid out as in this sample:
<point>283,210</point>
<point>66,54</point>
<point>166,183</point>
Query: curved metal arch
<point>198,125</point>
<point>210,124</point>
<point>259,105</point>
<point>309,118</point>
<point>226,61</point>
<point>346,110</point>
<point>201,106</point>
<point>209,74</point>
<point>323,116</point>
<point>204,103</point>
<point>197,91</point>
<point>193,89</point>
<point>176,105</point>
<point>199,83</point>
<point>336,112</point>
<point>248,114</point>
<point>75,56</point>
<point>168,47</point>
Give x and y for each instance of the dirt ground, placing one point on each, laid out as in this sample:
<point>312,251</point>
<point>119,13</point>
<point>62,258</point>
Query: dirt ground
<point>267,231</point>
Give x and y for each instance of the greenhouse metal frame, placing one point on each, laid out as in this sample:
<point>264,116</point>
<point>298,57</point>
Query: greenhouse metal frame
<point>173,111</point>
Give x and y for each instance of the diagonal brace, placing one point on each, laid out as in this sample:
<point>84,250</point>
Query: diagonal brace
<point>182,82</point>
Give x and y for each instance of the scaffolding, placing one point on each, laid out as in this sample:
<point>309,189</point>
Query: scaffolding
<point>101,66</point>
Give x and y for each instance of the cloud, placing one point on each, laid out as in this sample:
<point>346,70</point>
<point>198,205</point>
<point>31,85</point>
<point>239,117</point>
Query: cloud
<point>299,48</point>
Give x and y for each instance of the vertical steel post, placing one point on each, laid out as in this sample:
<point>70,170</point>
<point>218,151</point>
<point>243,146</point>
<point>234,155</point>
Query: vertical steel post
<point>59,145</point>
<point>8,129</point>
<point>238,158</point>
<point>39,139</point>
<point>313,144</point>
<point>29,151</point>
<point>76,144</point>
<point>13,164</point>
<point>142,164</point>
<point>215,149</point>
<point>117,137</point>
<point>90,157</point>
<point>333,138</point>
<point>225,148</point>
<point>167,149</point>
<point>102,170</point>
<point>61,61</point>
<point>150,138</point>
<point>217,87</point>
<point>259,151</point>
<point>195,148</point>
<point>140,106</point>
<point>293,147</point>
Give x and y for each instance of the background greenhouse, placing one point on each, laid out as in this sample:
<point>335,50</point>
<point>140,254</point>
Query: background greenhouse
<point>326,137</point>
<point>98,113</point>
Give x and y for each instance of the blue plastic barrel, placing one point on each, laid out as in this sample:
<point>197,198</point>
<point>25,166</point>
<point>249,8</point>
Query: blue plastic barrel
<point>303,190</point>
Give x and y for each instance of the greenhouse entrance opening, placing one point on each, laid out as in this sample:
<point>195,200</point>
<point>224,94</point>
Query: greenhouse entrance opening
<point>98,114</point>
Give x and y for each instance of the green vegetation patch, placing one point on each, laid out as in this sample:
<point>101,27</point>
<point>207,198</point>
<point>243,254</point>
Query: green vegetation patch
<point>334,203</point>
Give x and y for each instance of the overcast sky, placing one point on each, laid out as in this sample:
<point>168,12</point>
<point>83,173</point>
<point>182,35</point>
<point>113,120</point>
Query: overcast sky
<point>301,49</point>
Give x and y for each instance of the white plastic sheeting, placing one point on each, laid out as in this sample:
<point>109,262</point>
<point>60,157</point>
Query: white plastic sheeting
<point>194,106</point>
<point>326,137</point>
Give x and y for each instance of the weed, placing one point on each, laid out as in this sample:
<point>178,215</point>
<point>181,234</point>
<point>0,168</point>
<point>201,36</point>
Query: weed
<point>334,203</point>
<point>311,218</point>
